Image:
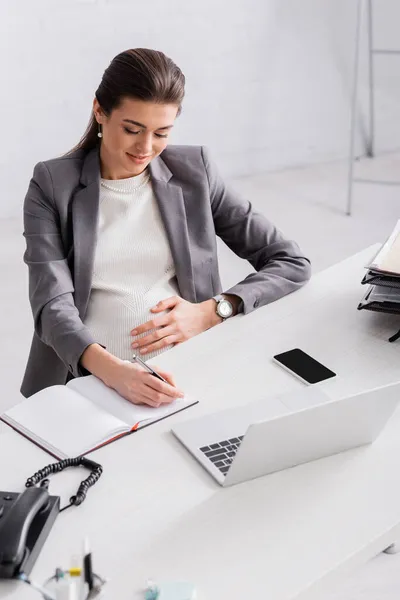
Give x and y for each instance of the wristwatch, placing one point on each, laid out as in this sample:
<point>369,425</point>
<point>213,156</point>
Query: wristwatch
<point>224,307</point>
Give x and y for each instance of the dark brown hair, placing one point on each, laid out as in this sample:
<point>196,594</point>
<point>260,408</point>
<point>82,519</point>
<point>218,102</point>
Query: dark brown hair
<point>138,73</point>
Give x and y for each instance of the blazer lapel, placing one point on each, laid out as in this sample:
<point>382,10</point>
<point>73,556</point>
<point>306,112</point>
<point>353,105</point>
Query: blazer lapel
<point>172,209</point>
<point>85,208</point>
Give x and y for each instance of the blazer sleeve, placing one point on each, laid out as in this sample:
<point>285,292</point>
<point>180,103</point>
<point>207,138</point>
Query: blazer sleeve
<point>280,265</point>
<point>56,318</point>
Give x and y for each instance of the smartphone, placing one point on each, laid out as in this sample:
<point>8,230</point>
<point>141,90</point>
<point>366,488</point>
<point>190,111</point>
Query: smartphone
<point>303,366</point>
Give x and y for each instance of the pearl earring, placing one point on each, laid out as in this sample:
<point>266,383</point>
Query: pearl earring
<point>100,133</point>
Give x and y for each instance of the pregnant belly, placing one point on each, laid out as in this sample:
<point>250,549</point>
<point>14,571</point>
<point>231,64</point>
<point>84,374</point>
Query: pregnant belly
<point>111,317</point>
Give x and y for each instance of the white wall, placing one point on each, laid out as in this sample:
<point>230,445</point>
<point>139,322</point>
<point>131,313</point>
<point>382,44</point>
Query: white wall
<point>268,81</point>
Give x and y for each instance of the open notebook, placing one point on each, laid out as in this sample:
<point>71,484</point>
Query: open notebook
<point>74,419</point>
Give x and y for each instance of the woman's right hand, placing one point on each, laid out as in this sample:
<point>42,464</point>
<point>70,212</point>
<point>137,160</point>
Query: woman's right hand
<point>130,380</point>
<point>141,387</point>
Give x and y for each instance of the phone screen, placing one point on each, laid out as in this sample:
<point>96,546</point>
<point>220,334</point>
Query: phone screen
<point>304,366</point>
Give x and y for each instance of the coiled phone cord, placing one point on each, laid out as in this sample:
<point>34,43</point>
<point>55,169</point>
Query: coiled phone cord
<point>80,461</point>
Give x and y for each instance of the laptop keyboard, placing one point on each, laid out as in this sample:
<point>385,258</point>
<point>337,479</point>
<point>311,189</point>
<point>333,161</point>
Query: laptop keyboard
<point>222,453</point>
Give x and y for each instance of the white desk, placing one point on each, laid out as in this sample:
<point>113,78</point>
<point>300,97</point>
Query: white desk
<point>156,513</point>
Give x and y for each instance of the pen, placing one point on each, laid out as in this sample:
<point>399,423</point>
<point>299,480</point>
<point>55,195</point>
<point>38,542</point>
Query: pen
<point>87,565</point>
<point>141,362</point>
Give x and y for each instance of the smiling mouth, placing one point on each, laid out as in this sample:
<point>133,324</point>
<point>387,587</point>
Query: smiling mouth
<point>138,157</point>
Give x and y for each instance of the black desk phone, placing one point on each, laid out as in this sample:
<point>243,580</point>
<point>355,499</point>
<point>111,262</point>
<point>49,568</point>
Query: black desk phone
<point>26,518</point>
<point>25,523</point>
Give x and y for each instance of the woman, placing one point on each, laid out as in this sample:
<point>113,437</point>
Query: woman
<point>121,242</point>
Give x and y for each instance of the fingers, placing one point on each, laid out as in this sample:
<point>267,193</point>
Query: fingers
<point>154,401</point>
<point>152,324</point>
<point>140,387</point>
<point>144,394</point>
<point>158,386</point>
<point>168,341</point>
<point>151,338</point>
<point>142,401</point>
<point>167,376</point>
<point>167,303</point>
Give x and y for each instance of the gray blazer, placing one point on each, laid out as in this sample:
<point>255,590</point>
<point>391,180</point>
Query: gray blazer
<point>60,221</point>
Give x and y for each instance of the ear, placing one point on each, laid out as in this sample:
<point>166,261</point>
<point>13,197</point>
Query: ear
<point>98,112</point>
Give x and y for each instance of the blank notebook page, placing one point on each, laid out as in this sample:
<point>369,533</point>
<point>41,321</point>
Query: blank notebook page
<point>65,420</point>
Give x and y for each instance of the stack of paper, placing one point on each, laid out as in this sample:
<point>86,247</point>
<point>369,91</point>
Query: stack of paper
<point>383,277</point>
<point>387,261</point>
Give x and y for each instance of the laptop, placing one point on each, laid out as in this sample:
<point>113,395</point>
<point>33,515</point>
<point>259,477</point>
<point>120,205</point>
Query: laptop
<point>240,444</point>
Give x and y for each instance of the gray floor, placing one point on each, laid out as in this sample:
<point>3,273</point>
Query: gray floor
<point>308,205</point>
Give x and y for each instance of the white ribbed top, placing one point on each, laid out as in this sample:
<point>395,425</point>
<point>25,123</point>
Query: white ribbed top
<point>133,266</point>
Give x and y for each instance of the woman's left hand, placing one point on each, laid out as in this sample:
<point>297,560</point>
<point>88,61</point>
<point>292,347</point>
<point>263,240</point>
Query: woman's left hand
<point>183,321</point>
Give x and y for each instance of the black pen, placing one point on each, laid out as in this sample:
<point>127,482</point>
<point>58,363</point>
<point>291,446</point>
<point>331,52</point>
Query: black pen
<point>141,362</point>
<point>87,565</point>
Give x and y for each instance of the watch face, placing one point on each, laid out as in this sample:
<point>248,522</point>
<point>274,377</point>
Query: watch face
<point>225,309</point>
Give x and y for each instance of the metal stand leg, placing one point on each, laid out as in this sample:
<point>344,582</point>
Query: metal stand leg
<point>370,144</point>
<point>371,141</point>
<point>360,10</point>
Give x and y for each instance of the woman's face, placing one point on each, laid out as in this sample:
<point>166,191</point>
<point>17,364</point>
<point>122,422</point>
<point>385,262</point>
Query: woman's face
<point>133,134</point>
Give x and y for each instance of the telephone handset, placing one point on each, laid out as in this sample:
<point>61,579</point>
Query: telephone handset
<point>25,522</point>
<point>26,519</point>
